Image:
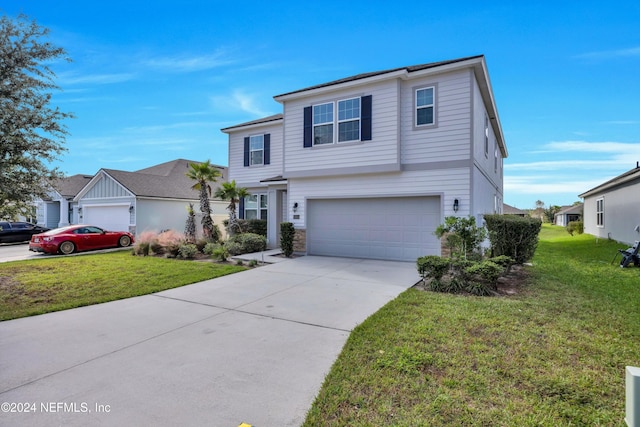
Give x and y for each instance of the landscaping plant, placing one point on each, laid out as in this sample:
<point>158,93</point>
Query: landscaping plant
<point>287,233</point>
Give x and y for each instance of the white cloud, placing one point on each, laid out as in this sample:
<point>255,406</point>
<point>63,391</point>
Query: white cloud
<point>538,186</point>
<point>100,79</point>
<point>614,53</point>
<point>239,100</point>
<point>187,64</point>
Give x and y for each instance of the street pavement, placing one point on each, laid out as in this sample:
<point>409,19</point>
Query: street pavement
<point>251,347</point>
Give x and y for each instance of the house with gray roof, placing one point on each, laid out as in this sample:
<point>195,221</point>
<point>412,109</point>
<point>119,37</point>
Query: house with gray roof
<point>612,209</point>
<point>567,214</point>
<point>369,165</point>
<point>154,198</point>
<point>57,210</point>
<point>511,210</point>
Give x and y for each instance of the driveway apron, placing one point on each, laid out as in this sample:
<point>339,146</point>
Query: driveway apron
<point>250,347</point>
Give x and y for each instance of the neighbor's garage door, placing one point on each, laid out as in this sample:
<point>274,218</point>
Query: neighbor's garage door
<point>114,218</point>
<point>394,228</point>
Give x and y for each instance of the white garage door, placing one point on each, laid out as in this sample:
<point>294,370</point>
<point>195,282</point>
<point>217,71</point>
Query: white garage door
<point>394,228</point>
<point>113,218</point>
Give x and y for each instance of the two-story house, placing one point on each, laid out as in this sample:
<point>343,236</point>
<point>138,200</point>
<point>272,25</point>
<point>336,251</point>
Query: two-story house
<point>369,165</point>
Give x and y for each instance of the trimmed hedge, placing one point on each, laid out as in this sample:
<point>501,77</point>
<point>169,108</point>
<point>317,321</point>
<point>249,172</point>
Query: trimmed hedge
<point>245,243</point>
<point>287,232</point>
<point>575,227</point>
<point>514,236</point>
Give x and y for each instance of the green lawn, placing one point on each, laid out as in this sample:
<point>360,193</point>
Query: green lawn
<point>552,355</point>
<point>41,286</point>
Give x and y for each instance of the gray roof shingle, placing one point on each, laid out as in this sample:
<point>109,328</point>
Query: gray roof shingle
<point>166,180</point>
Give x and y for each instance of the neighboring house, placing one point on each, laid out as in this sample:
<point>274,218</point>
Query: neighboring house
<point>368,166</point>
<point>567,214</point>
<point>155,198</point>
<point>612,209</point>
<point>59,209</point>
<point>510,210</point>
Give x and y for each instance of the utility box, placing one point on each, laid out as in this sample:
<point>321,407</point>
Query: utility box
<point>633,397</point>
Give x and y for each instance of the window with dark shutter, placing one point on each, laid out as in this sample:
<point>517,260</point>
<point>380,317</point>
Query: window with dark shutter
<point>241,208</point>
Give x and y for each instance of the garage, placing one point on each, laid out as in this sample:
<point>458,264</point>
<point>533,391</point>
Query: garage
<point>393,228</point>
<point>109,217</point>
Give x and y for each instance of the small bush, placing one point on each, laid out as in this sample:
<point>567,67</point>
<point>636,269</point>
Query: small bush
<point>220,253</point>
<point>144,241</point>
<point>171,241</point>
<point>432,266</point>
<point>253,263</point>
<point>187,251</point>
<point>257,226</point>
<point>513,236</point>
<point>141,248</point>
<point>239,262</point>
<point>575,227</point>
<point>209,248</point>
<point>246,243</point>
<point>287,233</point>
<point>503,261</point>
<point>486,271</point>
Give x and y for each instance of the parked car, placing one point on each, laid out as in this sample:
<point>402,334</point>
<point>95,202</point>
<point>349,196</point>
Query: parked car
<point>18,231</point>
<point>76,238</point>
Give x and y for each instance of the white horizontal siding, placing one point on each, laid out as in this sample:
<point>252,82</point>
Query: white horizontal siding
<point>381,150</point>
<point>453,183</point>
<point>486,162</point>
<point>246,175</point>
<point>450,138</point>
<point>621,215</point>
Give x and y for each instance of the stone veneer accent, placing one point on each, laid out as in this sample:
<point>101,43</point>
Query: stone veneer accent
<point>300,240</point>
<point>445,251</point>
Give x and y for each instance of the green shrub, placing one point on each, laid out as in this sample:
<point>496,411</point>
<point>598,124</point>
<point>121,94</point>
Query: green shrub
<point>486,271</point>
<point>239,262</point>
<point>513,236</point>
<point>253,263</point>
<point>220,253</point>
<point>575,227</point>
<point>257,226</point>
<point>187,251</point>
<point>503,261</point>
<point>432,266</point>
<point>201,243</point>
<point>469,235</point>
<point>209,248</point>
<point>477,288</point>
<point>246,243</point>
<point>287,233</point>
<point>141,249</point>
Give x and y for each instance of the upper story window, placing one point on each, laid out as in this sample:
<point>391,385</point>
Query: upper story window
<point>333,122</point>
<point>495,156</point>
<point>257,150</point>
<point>349,120</point>
<point>323,124</point>
<point>348,123</point>
<point>425,106</point>
<point>600,212</point>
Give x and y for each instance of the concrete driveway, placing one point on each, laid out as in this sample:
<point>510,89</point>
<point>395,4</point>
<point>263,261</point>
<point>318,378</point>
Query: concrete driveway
<point>251,347</point>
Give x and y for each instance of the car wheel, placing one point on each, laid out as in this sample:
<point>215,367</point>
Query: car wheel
<point>67,248</point>
<point>124,241</point>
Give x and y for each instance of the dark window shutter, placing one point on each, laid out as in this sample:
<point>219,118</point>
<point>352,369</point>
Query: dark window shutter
<point>241,208</point>
<point>308,127</point>
<point>267,148</point>
<point>246,151</point>
<point>365,102</point>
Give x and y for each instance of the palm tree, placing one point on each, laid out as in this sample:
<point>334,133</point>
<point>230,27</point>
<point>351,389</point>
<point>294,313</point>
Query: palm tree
<point>229,191</point>
<point>202,174</point>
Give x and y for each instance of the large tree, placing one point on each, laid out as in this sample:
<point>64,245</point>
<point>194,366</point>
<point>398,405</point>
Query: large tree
<point>32,132</point>
<point>229,191</point>
<point>203,174</point>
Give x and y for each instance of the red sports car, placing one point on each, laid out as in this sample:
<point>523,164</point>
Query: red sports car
<point>76,238</point>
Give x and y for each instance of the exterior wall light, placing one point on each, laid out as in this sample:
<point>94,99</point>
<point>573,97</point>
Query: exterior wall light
<point>456,205</point>
<point>295,207</point>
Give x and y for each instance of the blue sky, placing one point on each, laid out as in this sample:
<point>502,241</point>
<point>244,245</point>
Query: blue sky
<point>155,81</point>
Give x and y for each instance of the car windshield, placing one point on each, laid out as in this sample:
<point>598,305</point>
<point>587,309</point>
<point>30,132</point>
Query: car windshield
<point>61,230</point>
